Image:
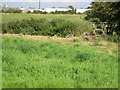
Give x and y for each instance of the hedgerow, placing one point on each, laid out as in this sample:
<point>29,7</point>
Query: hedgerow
<point>58,27</point>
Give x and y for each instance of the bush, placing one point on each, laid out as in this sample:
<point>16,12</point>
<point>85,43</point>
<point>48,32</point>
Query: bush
<point>32,26</point>
<point>64,12</point>
<point>39,12</point>
<point>11,10</point>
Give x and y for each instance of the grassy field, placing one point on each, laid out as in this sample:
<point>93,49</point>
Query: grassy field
<point>52,62</point>
<point>13,17</point>
<point>46,63</point>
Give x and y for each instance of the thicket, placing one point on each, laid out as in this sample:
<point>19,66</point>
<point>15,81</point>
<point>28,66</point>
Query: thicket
<point>58,27</point>
<point>106,13</point>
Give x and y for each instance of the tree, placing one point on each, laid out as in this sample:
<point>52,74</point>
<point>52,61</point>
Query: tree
<point>106,12</point>
<point>71,7</point>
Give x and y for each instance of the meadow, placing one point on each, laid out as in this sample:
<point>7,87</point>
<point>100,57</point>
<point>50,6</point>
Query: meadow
<point>39,63</point>
<point>53,62</point>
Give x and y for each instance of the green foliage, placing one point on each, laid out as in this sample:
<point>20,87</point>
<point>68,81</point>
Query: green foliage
<point>32,26</point>
<point>38,64</point>
<point>71,7</point>
<point>11,20</point>
<point>39,12</point>
<point>107,12</point>
<point>11,10</point>
<point>28,12</point>
<point>64,12</point>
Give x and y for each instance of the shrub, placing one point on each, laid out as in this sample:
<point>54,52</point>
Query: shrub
<point>32,26</point>
<point>11,10</point>
<point>64,12</point>
<point>39,12</point>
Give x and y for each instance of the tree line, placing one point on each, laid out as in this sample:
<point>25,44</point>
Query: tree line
<point>56,12</point>
<point>13,10</point>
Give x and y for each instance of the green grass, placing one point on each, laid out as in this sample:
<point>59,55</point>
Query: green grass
<point>56,64</point>
<point>13,17</point>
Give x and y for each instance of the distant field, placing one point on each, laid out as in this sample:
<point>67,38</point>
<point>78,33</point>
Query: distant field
<point>45,63</point>
<point>14,17</point>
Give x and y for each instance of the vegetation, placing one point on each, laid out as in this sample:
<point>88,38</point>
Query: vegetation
<point>58,27</point>
<point>108,14</point>
<point>71,7</point>
<point>74,18</point>
<point>39,12</point>
<point>41,27</point>
<point>56,64</point>
<point>11,10</point>
<point>64,12</point>
<point>33,62</point>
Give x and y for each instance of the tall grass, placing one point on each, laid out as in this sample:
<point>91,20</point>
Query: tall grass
<point>49,64</point>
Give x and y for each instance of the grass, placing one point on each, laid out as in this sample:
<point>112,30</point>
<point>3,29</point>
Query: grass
<point>31,63</point>
<point>13,17</point>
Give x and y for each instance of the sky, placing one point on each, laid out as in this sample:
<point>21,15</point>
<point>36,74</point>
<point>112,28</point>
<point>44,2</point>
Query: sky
<point>46,3</point>
<point>46,0</point>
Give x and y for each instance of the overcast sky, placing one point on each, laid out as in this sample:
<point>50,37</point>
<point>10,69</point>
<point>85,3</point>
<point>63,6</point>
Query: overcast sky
<point>46,0</point>
<point>46,3</point>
